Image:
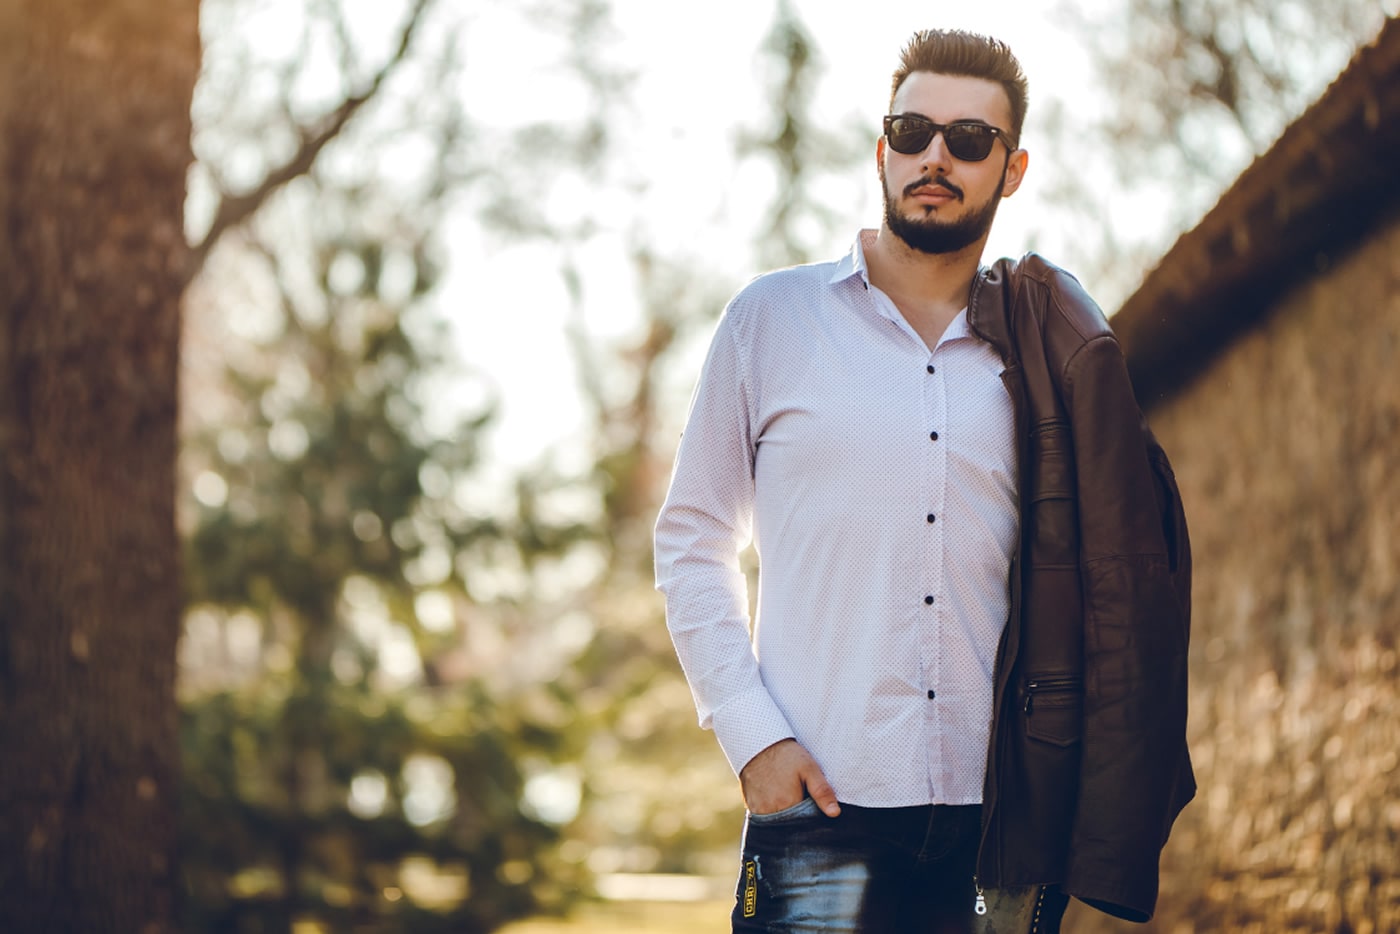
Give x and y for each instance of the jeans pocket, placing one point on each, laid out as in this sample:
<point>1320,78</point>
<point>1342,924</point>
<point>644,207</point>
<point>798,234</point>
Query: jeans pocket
<point>802,810</point>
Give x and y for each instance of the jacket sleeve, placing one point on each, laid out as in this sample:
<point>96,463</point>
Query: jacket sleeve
<point>705,522</point>
<point>1135,637</point>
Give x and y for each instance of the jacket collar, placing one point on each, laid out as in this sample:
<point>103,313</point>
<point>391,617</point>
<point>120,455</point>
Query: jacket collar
<point>989,306</point>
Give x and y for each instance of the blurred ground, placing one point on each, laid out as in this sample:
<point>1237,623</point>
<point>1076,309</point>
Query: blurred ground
<point>709,917</point>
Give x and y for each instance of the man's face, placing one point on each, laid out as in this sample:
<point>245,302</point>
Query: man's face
<point>935,202</point>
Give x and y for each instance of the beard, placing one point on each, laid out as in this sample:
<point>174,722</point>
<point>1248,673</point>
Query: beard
<point>928,234</point>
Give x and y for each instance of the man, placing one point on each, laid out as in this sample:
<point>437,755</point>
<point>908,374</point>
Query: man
<point>964,698</point>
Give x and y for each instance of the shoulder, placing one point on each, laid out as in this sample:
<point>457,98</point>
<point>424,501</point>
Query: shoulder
<point>784,286</point>
<point>778,298</point>
<point>1049,315</point>
<point>1058,299</point>
<point>1048,302</point>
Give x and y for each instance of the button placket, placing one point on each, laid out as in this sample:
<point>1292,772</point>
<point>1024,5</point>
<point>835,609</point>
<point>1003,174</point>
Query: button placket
<point>931,370</point>
<point>936,414</point>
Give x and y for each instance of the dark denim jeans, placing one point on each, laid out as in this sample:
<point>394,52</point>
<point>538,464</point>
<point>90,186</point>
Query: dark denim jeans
<point>878,871</point>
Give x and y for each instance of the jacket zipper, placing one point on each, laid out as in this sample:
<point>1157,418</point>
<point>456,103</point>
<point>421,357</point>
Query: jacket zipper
<point>1039,908</point>
<point>980,906</point>
<point>1048,686</point>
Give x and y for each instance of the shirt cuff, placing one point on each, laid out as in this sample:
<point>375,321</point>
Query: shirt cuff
<point>749,724</point>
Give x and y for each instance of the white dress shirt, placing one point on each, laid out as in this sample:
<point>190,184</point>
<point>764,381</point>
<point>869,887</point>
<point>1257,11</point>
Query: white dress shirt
<point>877,480</point>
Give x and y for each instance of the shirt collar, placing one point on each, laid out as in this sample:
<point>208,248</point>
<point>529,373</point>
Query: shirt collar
<point>957,328</point>
<point>853,263</point>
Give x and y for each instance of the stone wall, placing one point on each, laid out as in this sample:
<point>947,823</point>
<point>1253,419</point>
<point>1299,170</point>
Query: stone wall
<point>1287,450</point>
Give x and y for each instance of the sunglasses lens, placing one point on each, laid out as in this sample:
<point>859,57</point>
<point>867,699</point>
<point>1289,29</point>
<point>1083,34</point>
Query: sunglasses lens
<point>909,136</point>
<point>969,142</point>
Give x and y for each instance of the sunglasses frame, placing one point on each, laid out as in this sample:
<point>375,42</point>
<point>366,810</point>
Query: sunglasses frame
<point>997,133</point>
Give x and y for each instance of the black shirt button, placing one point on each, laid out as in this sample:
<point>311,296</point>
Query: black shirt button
<point>928,600</point>
<point>933,436</point>
<point>930,367</point>
<point>931,517</point>
<point>931,695</point>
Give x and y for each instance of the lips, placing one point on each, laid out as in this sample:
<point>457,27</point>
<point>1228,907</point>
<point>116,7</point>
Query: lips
<point>936,191</point>
<point>941,192</point>
<point>934,194</point>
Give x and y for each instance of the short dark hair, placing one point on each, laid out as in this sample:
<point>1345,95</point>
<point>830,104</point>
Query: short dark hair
<point>956,52</point>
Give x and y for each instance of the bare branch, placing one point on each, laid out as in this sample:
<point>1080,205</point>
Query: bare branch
<point>349,60</point>
<point>235,210</point>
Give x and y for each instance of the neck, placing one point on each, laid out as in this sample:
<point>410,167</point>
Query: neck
<point>931,280</point>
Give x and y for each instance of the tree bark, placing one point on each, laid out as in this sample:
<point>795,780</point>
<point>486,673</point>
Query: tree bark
<point>94,150</point>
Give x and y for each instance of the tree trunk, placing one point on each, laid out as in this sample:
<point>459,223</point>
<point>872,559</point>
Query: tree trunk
<point>94,149</point>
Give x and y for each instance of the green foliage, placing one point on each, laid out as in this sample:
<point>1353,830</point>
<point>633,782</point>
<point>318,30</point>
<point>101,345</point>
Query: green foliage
<point>356,763</point>
<point>273,772</point>
<point>372,684</point>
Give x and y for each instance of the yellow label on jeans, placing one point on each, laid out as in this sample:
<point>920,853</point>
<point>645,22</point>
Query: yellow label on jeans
<point>750,889</point>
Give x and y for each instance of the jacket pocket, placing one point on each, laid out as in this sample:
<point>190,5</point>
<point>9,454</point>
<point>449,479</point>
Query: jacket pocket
<point>1054,709</point>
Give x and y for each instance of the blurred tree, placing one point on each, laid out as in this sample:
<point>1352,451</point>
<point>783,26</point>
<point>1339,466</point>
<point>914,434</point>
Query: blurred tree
<point>371,649</point>
<point>798,144</point>
<point>1198,80</point>
<point>360,739</point>
<point>258,129</point>
<point>94,149</point>
<point>1193,91</point>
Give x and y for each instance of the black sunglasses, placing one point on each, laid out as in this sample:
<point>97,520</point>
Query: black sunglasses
<point>968,141</point>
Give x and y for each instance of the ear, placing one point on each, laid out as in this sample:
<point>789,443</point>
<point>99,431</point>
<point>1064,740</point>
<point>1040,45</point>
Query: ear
<point>1015,172</point>
<point>880,152</point>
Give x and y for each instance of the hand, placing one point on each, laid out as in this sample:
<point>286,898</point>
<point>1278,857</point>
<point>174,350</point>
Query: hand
<point>780,775</point>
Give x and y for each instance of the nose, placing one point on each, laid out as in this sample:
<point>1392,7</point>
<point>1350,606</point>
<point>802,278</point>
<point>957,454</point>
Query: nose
<point>935,154</point>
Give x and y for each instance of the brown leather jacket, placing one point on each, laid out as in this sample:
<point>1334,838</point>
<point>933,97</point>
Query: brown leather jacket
<point>1088,765</point>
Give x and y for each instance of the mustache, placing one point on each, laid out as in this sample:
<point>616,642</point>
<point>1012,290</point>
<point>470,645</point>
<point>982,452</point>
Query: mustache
<point>939,182</point>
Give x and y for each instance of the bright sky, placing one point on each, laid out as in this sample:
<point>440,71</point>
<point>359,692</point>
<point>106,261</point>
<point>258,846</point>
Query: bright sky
<point>698,80</point>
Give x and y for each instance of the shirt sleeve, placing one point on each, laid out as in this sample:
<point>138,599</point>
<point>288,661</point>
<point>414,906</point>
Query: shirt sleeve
<point>705,522</point>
